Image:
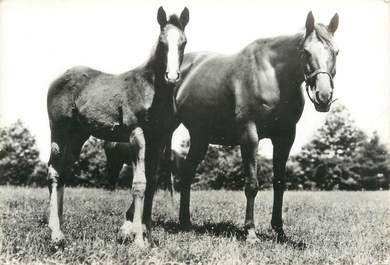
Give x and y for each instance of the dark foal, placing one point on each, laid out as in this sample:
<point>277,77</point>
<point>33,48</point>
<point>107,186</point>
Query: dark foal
<point>253,94</point>
<point>134,107</point>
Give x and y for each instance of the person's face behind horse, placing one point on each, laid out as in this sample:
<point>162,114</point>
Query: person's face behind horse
<point>172,41</point>
<point>319,61</point>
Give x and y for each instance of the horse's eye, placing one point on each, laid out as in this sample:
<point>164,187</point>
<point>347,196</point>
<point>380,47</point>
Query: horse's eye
<point>306,53</point>
<point>337,52</point>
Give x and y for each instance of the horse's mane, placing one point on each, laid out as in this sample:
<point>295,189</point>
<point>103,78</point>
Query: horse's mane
<point>324,35</point>
<point>175,21</point>
<point>299,38</point>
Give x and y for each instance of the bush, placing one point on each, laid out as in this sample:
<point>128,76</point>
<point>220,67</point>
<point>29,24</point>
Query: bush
<point>90,169</point>
<point>340,156</point>
<point>223,168</point>
<point>19,155</point>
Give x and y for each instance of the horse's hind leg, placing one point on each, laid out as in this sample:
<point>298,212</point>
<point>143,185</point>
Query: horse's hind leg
<point>113,169</point>
<point>137,140</point>
<point>56,172</point>
<point>187,170</point>
<point>249,146</point>
<point>62,157</point>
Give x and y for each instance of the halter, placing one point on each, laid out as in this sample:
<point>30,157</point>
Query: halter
<point>310,79</point>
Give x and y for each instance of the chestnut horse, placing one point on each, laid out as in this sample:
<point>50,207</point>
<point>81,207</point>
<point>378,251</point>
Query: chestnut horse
<point>256,93</point>
<point>133,107</point>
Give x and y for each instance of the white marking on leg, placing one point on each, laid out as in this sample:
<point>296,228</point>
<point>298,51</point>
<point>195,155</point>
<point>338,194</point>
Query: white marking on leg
<point>252,237</point>
<point>54,219</point>
<point>139,184</point>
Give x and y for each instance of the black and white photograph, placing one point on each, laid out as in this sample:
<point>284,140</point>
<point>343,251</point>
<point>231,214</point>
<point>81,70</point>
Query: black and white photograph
<point>195,132</point>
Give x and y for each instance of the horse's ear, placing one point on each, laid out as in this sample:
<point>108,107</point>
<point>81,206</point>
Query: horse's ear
<point>333,24</point>
<point>309,23</point>
<point>184,17</point>
<point>161,17</point>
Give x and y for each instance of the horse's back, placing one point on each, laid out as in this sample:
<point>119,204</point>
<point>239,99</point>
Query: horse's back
<point>104,105</point>
<point>63,91</point>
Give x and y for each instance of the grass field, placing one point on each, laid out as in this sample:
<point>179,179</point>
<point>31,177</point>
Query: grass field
<point>337,228</point>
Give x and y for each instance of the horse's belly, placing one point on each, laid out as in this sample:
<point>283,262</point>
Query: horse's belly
<point>106,120</point>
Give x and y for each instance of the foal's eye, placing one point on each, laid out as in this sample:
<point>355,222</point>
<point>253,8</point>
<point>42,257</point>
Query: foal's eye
<point>306,53</point>
<point>337,52</point>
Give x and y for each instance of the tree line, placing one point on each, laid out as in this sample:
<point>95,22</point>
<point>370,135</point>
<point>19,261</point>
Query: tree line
<point>339,156</point>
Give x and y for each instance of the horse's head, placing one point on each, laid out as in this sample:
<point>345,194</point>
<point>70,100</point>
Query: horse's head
<point>171,43</point>
<point>319,54</point>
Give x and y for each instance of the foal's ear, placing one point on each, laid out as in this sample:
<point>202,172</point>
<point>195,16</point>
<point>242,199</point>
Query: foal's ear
<point>309,23</point>
<point>333,24</point>
<point>161,17</point>
<point>184,17</point>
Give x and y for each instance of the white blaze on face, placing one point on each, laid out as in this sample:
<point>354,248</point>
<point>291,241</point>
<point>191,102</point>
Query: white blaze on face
<point>173,37</point>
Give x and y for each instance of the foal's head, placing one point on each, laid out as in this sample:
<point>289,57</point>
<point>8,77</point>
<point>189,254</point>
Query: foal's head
<point>319,54</point>
<point>171,43</point>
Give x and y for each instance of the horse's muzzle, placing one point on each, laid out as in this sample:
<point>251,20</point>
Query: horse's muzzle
<point>172,79</point>
<point>322,108</point>
<point>323,101</point>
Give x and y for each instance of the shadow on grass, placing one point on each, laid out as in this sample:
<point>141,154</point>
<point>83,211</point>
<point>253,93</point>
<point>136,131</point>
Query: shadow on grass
<point>228,230</point>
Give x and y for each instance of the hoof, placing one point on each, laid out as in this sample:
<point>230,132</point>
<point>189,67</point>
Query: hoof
<point>252,237</point>
<point>57,237</point>
<point>141,243</point>
<point>127,230</point>
<point>186,226</point>
<point>281,238</point>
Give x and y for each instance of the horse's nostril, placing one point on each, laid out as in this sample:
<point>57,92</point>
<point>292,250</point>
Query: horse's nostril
<point>178,76</point>
<point>322,98</point>
<point>318,96</point>
<point>166,76</point>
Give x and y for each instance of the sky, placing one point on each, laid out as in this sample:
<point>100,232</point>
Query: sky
<point>40,39</point>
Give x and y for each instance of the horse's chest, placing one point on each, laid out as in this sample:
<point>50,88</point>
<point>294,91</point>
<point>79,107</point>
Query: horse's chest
<point>283,115</point>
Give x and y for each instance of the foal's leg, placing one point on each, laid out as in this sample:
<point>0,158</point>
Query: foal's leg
<point>55,181</point>
<point>154,151</point>
<point>187,170</point>
<point>113,169</point>
<point>137,140</point>
<point>62,158</point>
<point>249,146</point>
<point>282,146</point>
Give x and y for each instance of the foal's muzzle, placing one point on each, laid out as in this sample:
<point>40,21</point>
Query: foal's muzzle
<point>172,78</point>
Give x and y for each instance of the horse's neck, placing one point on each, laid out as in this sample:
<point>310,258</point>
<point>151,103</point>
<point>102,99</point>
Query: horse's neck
<point>284,55</point>
<point>155,63</point>
<point>163,94</point>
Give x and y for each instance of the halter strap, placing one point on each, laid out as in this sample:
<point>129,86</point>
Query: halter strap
<point>309,79</point>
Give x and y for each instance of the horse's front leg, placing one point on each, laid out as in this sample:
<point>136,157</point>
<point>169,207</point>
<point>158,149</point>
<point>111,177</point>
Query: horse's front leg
<point>198,149</point>
<point>282,145</point>
<point>154,151</point>
<point>249,146</point>
<point>137,141</point>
